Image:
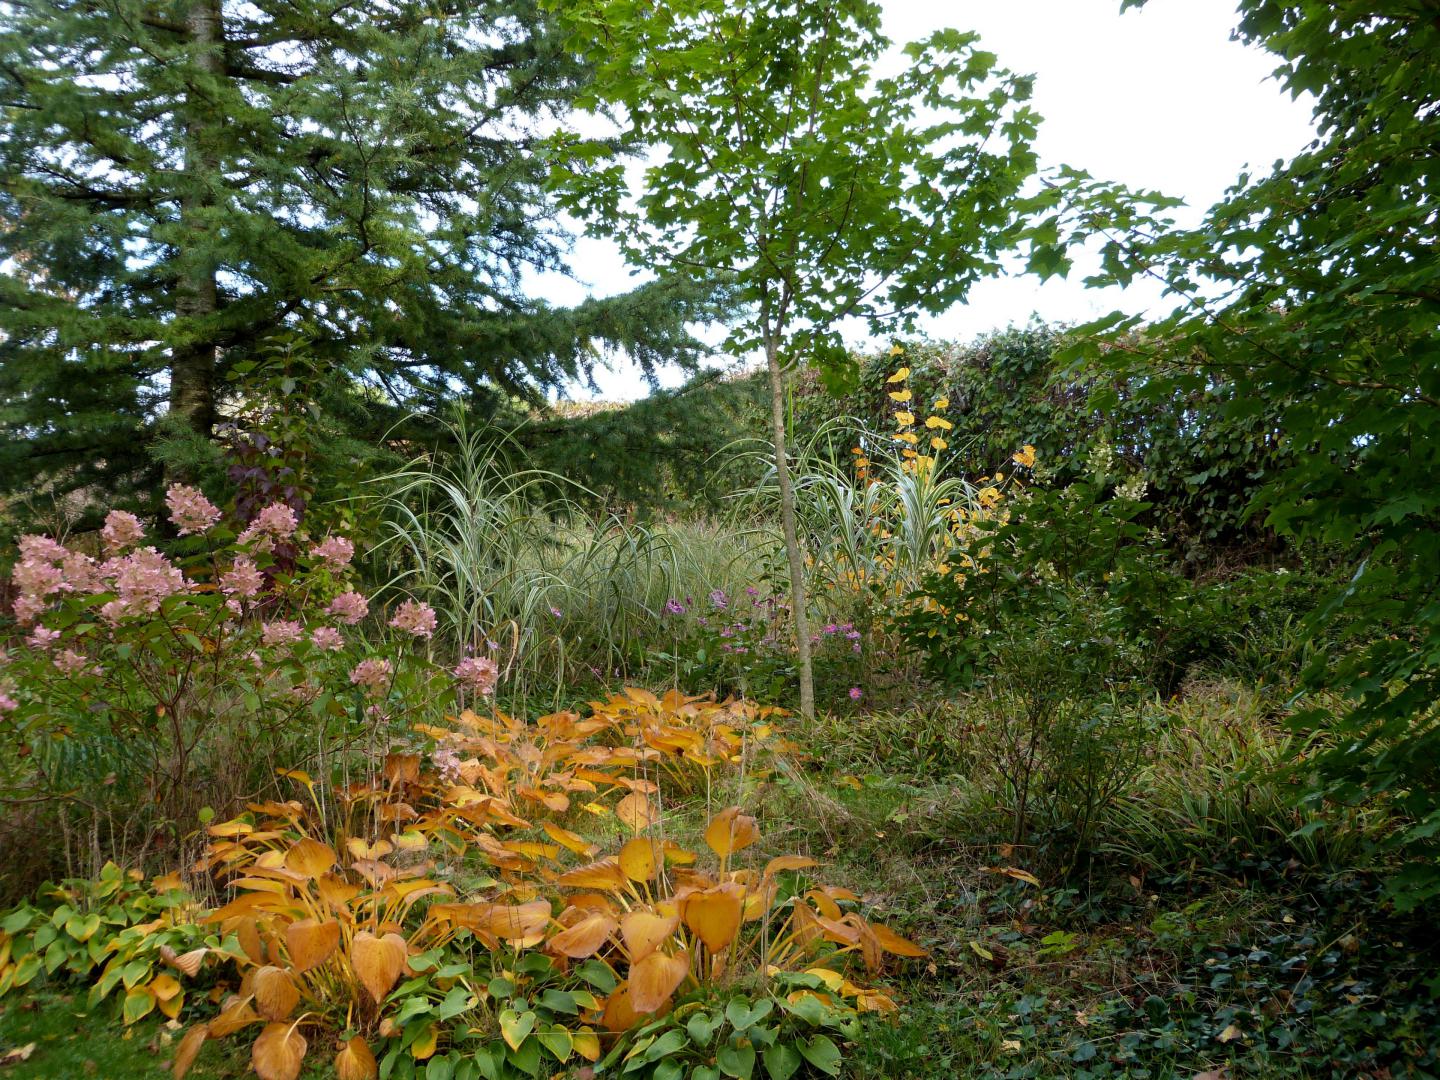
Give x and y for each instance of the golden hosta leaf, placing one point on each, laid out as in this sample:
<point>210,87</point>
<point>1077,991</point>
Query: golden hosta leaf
<point>645,932</point>
<point>655,978</point>
<point>402,769</point>
<point>275,993</point>
<point>636,812</point>
<point>188,1048</point>
<point>515,1027</point>
<point>337,894</point>
<point>730,831</point>
<point>638,859</point>
<point>676,855</point>
<point>423,1048</point>
<point>232,1018</point>
<point>377,962</point>
<point>788,862</point>
<point>586,1043</point>
<point>311,942</point>
<point>278,1052</point>
<point>605,874</point>
<point>310,858</point>
<point>362,849</point>
<point>567,839</point>
<point>164,987</point>
<point>893,943</point>
<point>355,1061</point>
<point>715,914</point>
<point>186,963</point>
<point>524,924</point>
<point>231,828</point>
<point>584,938</point>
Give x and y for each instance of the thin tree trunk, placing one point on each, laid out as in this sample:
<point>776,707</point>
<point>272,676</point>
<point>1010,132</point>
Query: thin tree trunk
<point>787,525</point>
<point>193,363</point>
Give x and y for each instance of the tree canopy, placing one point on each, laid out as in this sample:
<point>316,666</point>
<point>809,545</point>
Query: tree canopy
<point>184,181</point>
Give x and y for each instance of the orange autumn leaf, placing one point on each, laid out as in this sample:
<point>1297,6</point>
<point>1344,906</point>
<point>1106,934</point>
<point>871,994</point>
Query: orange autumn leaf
<point>356,1062</point>
<point>715,914</point>
<point>644,932</point>
<point>310,942</point>
<point>275,993</point>
<point>377,962</point>
<point>278,1052</point>
<point>655,978</point>
<point>585,938</point>
<point>730,831</point>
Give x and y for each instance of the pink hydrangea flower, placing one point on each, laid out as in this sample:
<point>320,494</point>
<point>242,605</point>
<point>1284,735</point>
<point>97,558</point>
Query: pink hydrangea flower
<point>122,530</point>
<point>414,618</point>
<point>42,638</point>
<point>327,639</point>
<point>190,510</point>
<point>277,521</point>
<point>281,632</point>
<point>70,662</point>
<point>349,607</point>
<point>41,548</point>
<point>478,674</point>
<point>143,579</point>
<point>27,609</point>
<point>37,579</point>
<point>335,550</point>
<point>82,573</point>
<point>7,703</point>
<point>372,675</point>
<point>447,764</point>
<point>242,579</point>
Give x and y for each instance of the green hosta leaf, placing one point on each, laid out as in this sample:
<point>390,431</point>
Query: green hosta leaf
<point>742,1015</point>
<point>782,1061</point>
<point>822,1053</point>
<point>557,1040</point>
<point>701,1029</point>
<point>669,1043</point>
<point>138,1004</point>
<point>668,1070</point>
<point>736,1061</point>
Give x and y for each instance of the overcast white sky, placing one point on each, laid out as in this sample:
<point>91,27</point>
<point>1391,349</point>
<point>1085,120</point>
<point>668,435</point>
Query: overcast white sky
<point>1157,98</point>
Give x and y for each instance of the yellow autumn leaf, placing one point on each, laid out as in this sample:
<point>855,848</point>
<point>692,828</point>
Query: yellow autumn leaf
<point>900,395</point>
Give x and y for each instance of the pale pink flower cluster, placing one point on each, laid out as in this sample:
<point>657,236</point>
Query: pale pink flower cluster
<point>478,674</point>
<point>7,703</point>
<point>447,764</point>
<point>415,618</point>
<point>190,511</point>
<point>70,662</point>
<point>46,568</point>
<point>372,675</point>
<point>335,550</point>
<point>277,522</point>
<point>242,579</point>
<point>42,638</point>
<point>143,579</point>
<point>327,639</point>
<point>281,632</point>
<point>122,530</point>
<point>349,607</point>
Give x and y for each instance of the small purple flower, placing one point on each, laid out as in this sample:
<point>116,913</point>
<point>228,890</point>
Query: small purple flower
<point>556,612</point>
<point>750,590</point>
<point>674,607</point>
<point>718,599</point>
<point>852,635</point>
<point>831,628</point>
<point>856,648</point>
<point>856,693</point>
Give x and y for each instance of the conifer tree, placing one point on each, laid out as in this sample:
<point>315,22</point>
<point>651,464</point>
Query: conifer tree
<point>182,181</point>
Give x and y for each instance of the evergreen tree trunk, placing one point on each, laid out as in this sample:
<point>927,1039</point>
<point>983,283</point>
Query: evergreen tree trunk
<point>787,525</point>
<point>193,373</point>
